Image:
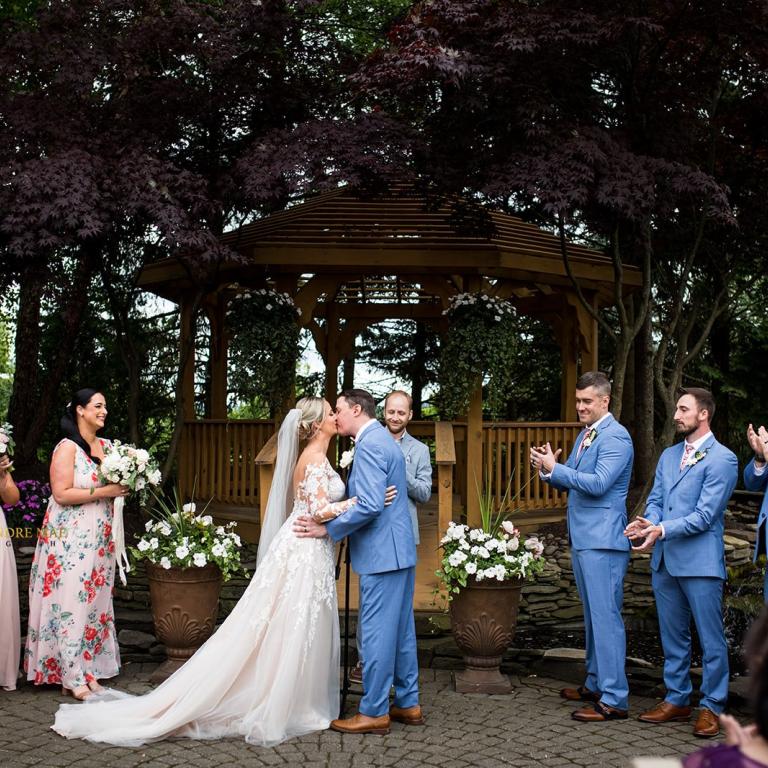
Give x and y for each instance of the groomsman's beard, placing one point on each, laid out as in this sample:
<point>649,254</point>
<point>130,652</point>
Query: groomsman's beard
<point>684,430</point>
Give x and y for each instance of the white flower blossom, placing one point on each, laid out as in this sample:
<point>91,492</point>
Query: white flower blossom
<point>182,552</point>
<point>199,559</point>
<point>143,545</point>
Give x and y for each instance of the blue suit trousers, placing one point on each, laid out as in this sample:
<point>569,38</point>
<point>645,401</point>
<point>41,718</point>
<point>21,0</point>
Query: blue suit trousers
<point>599,575</point>
<point>389,641</point>
<point>678,599</point>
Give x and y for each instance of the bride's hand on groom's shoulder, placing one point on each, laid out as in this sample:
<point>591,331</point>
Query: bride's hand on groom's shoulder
<point>305,527</point>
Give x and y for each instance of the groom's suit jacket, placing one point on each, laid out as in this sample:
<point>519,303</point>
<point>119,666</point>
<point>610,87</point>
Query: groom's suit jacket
<point>597,480</point>
<point>380,538</point>
<point>691,506</point>
<point>753,482</point>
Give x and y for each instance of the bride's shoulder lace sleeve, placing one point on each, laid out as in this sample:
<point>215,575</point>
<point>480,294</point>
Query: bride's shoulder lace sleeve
<point>314,490</point>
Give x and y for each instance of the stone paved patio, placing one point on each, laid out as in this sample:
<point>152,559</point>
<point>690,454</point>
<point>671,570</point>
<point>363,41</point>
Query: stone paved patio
<point>529,728</point>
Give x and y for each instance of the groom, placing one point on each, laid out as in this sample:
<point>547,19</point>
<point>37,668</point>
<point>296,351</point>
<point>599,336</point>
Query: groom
<point>383,553</point>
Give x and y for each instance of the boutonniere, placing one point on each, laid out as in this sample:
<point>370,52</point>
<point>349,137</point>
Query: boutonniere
<point>588,438</point>
<point>696,458</point>
<point>347,457</point>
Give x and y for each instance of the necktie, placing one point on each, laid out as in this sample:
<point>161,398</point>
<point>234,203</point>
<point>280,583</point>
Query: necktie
<point>686,454</point>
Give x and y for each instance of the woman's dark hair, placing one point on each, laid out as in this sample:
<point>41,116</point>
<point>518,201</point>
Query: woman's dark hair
<point>756,651</point>
<point>69,420</point>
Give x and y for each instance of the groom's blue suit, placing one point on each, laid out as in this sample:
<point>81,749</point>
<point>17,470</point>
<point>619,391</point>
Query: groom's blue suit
<point>597,480</point>
<point>383,553</point>
<point>688,567</point>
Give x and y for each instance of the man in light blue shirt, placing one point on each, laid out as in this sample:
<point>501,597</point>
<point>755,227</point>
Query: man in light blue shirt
<point>398,412</point>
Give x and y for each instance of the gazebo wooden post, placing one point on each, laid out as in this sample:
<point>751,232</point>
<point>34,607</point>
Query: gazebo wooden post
<point>187,352</point>
<point>219,348</point>
<point>475,453</point>
<point>475,478</point>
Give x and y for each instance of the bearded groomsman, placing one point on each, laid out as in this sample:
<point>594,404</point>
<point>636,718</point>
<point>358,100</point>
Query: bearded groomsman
<point>398,412</point>
<point>683,523</point>
<point>756,479</point>
<point>596,476</point>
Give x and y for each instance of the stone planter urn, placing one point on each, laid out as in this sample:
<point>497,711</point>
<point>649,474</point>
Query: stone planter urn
<point>185,604</point>
<point>483,621</point>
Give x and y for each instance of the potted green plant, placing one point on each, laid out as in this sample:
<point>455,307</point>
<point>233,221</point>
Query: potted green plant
<point>186,557</point>
<point>482,570</point>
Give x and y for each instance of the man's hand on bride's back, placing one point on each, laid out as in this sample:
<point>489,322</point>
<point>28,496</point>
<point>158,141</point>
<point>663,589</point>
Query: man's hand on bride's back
<point>390,494</point>
<point>306,528</point>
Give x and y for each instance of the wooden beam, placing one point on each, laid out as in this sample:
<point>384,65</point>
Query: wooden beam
<point>445,458</point>
<point>376,312</point>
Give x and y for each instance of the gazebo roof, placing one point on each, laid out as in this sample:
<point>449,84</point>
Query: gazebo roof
<point>403,233</point>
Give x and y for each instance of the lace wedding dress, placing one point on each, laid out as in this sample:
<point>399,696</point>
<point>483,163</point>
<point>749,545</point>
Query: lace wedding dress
<point>270,672</point>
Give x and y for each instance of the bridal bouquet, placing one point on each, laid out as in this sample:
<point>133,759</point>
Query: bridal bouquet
<point>179,537</point>
<point>6,440</point>
<point>127,465</point>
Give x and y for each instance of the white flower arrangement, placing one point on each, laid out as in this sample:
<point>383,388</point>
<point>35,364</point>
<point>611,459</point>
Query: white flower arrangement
<point>178,537</point>
<point>6,440</point>
<point>497,307</point>
<point>471,552</point>
<point>497,550</point>
<point>267,294</point>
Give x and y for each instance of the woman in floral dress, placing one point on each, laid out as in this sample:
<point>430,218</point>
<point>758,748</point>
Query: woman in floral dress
<point>71,638</point>
<point>10,632</point>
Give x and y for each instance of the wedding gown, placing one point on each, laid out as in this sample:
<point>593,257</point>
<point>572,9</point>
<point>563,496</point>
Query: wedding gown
<point>270,672</point>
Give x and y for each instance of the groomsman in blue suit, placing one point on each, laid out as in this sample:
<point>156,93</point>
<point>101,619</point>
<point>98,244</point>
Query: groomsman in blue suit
<point>683,524</point>
<point>383,553</point>
<point>756,479</point>
<point>596,476</point>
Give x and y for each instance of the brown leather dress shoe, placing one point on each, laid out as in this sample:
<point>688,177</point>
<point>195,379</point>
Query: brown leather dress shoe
<point>707,724</point>
<point>360,723</point>
<point>579,694</point>
<point>407,715</point>
<point>666,713</point>
<point>356,674</point>
<point>599,713</point>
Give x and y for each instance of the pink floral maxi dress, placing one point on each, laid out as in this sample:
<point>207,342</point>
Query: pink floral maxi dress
<point>71,638</point>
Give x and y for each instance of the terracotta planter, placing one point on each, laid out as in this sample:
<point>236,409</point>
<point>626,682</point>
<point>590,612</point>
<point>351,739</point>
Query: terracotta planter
<point>185,604</point>
<point>483,621</point>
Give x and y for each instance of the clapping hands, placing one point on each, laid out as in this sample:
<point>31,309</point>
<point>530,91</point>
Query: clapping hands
<point>543,458</point>
<point>758,442</point>
<point>643,530</point>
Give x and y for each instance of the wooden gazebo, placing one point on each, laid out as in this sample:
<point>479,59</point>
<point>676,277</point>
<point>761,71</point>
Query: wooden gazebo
<point>349,261</point>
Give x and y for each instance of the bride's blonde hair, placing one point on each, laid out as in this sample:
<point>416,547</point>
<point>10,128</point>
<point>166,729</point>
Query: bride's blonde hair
<point>312,414</point>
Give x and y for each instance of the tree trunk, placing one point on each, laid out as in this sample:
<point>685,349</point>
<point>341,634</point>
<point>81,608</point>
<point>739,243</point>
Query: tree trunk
<point>720,344</point>
<point>71,312</point>
<point>644,402</point>
<point>21,408</point>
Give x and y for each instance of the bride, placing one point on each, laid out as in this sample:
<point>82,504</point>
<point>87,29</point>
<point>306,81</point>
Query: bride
<point>271,671</point>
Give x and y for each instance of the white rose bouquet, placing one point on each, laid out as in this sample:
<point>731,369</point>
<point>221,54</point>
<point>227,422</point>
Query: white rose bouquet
<point>127,465</point>
<point>179,537</point>
<point>6,440</point>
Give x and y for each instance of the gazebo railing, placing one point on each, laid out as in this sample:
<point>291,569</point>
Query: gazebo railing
<point>217,458</point>
<point>231,462</point>
<point>506,461</point>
